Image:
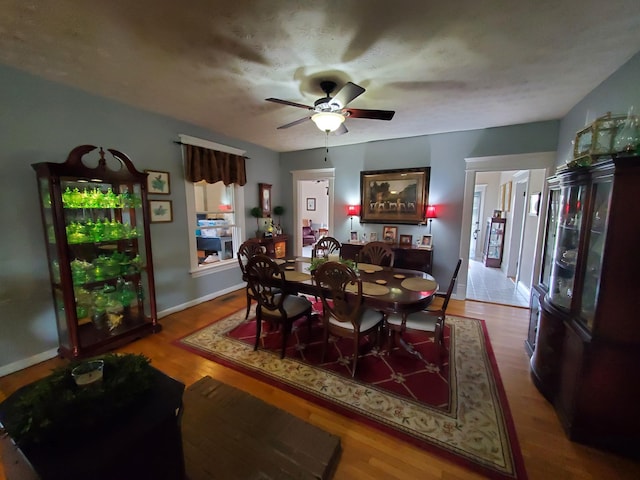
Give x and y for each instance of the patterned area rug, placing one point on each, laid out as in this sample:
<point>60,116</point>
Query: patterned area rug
<point>455,407</point>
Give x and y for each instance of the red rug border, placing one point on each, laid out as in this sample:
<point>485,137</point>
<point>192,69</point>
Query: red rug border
<point>429,447</point>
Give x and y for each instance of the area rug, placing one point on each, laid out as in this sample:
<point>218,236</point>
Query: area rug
<point>454,406</point>
<point>228,433</point>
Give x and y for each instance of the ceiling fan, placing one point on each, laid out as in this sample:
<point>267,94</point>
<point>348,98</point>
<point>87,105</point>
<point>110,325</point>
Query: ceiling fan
<point>329,113</point>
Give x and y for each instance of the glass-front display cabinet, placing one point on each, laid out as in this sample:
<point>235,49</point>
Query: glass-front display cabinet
<point>495,242</point>
<point>587,341</point>
<point>96,227</point>
<point>540,289</point>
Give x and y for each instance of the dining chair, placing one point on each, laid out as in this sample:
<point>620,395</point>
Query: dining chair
<point>275,305</point>
<point>344,314</point>
<point>429,320</point>
<point>377,253</point>
<point>247,250</point>
<point>325,246</point>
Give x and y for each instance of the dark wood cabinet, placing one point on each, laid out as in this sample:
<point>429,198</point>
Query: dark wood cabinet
<point>276,245</point>
<point>494,246</point>
<point>534,318</point>
<point>96,231</point>
<point>404,257</point>
<point>587,346</point>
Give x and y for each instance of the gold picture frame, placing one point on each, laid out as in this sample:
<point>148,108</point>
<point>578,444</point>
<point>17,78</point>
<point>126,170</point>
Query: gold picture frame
<point>390,234</point>
<point>394,196</point>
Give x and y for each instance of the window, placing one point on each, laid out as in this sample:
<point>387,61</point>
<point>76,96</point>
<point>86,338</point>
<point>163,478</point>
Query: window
<point>215,220</point>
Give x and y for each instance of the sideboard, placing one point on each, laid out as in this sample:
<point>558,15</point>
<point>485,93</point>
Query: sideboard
<point>276,245</point>
<point>405,257</point>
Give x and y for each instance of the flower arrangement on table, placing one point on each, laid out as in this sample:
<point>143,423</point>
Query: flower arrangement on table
<point>317,261</point>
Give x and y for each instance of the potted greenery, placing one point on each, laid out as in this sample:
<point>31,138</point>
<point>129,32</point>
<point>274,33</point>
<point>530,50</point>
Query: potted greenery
<point>256,212</point>
<point>279,211</point>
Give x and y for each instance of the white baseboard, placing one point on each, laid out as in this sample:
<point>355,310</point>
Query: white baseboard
<point>27,362</point>
<point>197,301</point>
<point>41,357</point>
<point>523,289</point>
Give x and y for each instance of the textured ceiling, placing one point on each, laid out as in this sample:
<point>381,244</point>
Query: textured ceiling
<point>442,66</point>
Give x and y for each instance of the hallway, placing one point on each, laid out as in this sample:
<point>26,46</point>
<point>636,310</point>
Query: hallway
<point>491,285</point>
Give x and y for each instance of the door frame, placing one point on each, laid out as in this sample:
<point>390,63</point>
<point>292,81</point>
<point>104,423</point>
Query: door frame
<point>480,188</point>
<point>524,161</point>
<point>304,175</point>
<point>520,179</point>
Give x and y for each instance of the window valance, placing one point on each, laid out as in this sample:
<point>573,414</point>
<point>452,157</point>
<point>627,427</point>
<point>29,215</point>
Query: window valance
<point>214,166</point>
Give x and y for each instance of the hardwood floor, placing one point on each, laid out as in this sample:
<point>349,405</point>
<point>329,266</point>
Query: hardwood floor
<point>368,453</point>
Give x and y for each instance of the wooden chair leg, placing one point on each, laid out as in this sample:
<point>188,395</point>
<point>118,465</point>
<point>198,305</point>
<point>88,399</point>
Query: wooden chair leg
<point>325,343</point>
<point>286,330</point>
<point>258,331</point>
<point>248,305</point>
<point>356,351</point>
<point>310,317</point>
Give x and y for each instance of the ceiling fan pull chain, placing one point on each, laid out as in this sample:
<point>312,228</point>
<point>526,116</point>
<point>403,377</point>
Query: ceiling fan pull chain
<point>326,145</point>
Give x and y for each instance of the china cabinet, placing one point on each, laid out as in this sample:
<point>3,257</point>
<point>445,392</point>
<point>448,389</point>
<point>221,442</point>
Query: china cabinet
<point>96,231</point>
<point>539,290</point>
<point>587,345</point>
<point>495,242</point>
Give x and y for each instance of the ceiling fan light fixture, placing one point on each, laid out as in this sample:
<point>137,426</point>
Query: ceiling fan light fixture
<point>328,121</point>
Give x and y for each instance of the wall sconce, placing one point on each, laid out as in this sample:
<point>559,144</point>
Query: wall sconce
<point>353,210</point>
<point>430,213</point>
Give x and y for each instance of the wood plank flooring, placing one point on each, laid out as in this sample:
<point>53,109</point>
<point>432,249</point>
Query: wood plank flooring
<point>367,453</point>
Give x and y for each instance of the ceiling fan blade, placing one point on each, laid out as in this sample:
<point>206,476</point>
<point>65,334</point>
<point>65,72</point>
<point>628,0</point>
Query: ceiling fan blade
<point>347,93</point>
<point>374,114</point>
<point>297,122</point>
<point>341,130</point>
<point>287,102</point>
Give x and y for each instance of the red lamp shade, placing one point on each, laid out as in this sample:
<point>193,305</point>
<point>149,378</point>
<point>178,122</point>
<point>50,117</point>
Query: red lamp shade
<point>431,212</point>
<point>353,210</point>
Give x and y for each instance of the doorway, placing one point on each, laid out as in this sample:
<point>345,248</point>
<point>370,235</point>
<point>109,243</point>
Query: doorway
<point>544,161</point>
<point>312,190</point>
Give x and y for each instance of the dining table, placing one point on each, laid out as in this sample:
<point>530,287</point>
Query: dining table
<point>387,289</point>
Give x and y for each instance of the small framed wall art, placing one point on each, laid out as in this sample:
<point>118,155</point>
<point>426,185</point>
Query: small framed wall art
<point>427,242</point>
<point>534,204</point>
<point>160,211</point>
<point>373,237</point>
<point>158,182</point>
<point>265,198</point>
<point>390,234</point>
<point>311,204</point>
<point>405,240</point>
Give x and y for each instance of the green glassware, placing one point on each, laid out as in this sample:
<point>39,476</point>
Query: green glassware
<point>66,198</point>
<point>75,200</point>
<point>97,235</point>
<point>94,198</point>
<point>110,199</point>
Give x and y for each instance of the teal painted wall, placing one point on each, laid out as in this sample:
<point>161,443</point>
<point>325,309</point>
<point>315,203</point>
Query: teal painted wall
<point>444,153</point>
<point>41,121</point>
<point>616,94</point>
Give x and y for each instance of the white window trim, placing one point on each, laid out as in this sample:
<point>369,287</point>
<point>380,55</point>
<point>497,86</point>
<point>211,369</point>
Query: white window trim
<point>195,270</point>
